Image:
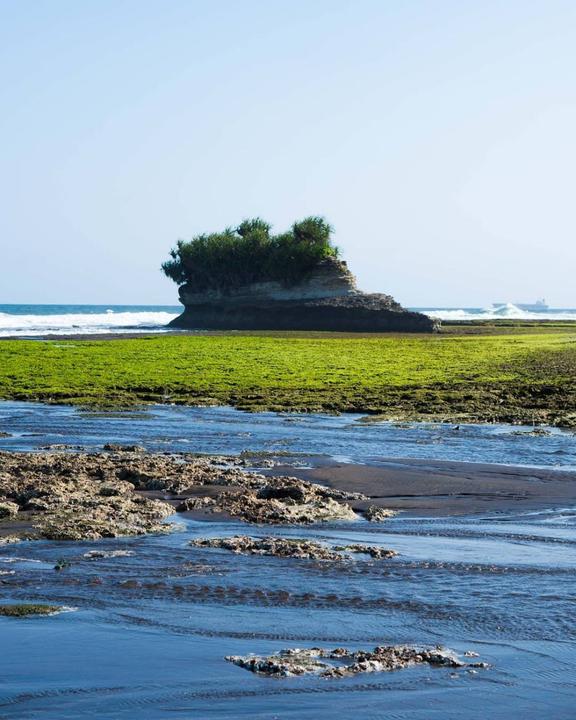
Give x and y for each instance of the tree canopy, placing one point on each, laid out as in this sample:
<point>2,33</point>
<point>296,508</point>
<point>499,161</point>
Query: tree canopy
<point>250,253</point>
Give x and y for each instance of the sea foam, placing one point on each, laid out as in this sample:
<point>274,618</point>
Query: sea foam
<point>78,323</point>
<point>508,311</point>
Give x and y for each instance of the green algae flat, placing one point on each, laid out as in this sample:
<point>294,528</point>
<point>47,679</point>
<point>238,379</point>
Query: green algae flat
<point>20,611</point>
<point>523,376</point>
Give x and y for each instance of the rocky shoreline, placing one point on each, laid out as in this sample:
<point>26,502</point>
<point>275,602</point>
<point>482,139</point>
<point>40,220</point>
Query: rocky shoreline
<point>126,491</point>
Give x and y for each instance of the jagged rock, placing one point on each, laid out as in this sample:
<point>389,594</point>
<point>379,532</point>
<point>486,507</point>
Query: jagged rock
<point>326,300</point>
<point>290,548</point>
<point>374,513</point>
<point>8,509</point>
<point>251,508</point>
<point>92,520</point>
<point>375,551</point>
<point>341,662</point>
<point>197,503</point>
<point>78,495</point>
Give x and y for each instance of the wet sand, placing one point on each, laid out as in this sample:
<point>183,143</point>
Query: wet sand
<point>442,488</point>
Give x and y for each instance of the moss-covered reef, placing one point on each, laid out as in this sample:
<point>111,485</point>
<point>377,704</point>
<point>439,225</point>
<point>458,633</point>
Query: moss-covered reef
<point>250,253</point>
<point>512,377</point>
<point>22,610</point>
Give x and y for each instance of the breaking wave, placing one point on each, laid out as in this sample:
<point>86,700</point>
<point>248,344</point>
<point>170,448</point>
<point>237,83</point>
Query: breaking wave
<point>78,323</point>
<point>507,311</point>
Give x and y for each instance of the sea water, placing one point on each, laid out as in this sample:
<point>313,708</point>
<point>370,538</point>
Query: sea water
<point>39,320</point>
<point>150,630</point>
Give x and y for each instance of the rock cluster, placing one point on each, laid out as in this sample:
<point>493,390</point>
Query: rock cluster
<point>341,662</point>
<point>277,500</point>
<point>291,548</point>
<point>73,496</point>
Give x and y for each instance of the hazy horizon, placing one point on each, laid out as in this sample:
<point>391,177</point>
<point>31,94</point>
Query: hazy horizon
<point>436,137</point>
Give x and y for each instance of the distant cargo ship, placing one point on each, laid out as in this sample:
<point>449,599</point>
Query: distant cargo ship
<point>538,306</point>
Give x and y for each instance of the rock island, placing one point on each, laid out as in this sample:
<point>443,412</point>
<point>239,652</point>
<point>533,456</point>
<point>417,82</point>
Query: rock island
<point>248,279</point>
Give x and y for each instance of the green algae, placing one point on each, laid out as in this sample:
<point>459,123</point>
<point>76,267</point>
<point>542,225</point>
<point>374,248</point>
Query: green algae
<point>492,375</point>
<point>24,610</point>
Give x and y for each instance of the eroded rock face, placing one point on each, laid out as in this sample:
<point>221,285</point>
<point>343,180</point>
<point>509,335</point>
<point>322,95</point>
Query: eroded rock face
<point>291,548</point>
<point>332,278</point>
<point>326,300</point>
<point>341,662</point>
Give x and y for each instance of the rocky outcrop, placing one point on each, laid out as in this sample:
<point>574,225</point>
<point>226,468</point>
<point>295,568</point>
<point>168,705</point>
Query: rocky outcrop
<point>326,300</point>
<point>74,496</point>
<point>298,549</point>
<point>341,662</point>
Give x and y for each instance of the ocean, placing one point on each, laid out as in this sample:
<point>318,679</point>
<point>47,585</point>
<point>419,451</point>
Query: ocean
<point>38,320</point>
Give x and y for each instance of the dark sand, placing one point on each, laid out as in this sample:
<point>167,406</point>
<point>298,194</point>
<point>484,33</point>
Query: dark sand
<point>436,487</point>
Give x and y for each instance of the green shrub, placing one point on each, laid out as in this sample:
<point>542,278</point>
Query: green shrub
<point>251,253</point>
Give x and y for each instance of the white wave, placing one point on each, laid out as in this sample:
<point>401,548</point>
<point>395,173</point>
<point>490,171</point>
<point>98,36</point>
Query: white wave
<point>507,311</point>
<point>83,323</point>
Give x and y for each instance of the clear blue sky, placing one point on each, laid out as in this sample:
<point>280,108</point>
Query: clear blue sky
<point>438,137</point>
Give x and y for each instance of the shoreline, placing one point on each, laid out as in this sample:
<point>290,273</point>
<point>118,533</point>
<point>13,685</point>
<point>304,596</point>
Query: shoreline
<point>443,488</point>
<point>448,328</point>
<point>414,487</point>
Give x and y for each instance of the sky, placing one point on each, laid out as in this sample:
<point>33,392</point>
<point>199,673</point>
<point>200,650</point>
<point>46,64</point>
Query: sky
<point>437,137</point>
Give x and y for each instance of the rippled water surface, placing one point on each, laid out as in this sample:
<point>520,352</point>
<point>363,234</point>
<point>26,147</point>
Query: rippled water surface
<point>150,630</point>
<point>225,430</point>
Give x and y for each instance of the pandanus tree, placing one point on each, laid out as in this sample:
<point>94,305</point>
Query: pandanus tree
<point>250,253</point>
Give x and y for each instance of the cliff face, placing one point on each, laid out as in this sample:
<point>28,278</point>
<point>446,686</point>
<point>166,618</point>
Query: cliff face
<point>328,299</point>
<point>331,279</point>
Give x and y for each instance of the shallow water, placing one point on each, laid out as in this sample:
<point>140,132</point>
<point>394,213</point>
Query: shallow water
<point>226,430</point>
<point>150,631</point>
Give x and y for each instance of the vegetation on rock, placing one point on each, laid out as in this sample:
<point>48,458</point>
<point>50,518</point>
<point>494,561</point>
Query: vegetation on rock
<point>250,253</point>
<point>27,610</point>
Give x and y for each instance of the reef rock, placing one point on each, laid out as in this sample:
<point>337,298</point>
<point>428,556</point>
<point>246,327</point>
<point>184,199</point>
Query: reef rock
<point>291,548</point>
<point>328,299</point>
<point>341,662</point>
<point>375,513</point>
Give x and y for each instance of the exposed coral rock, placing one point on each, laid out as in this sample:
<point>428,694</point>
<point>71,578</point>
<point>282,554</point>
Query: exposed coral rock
<point>71,496</point>
<point>374,513</point>
<point>91,519</point>
<point>76,497</point>
<point>8,509</point>
<point>341,662</point>
<point>290,548</point>
<point>375,551</point>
